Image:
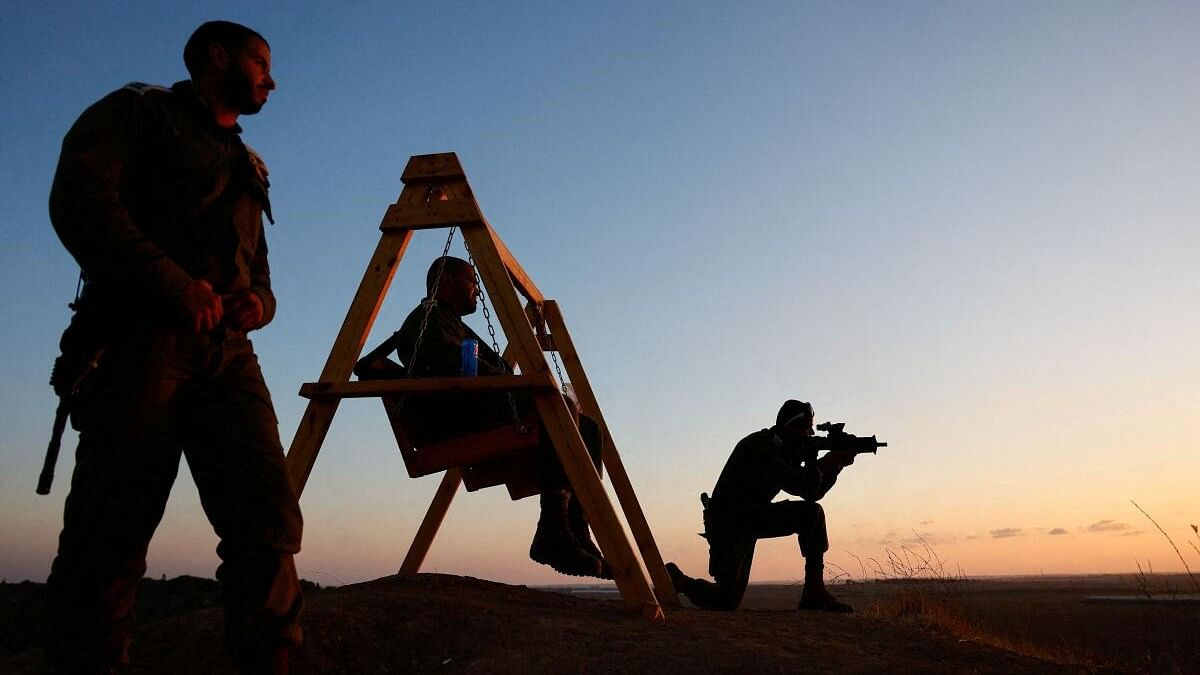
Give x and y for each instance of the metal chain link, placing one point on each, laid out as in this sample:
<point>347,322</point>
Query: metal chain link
<point>562,381</point>
<point>487,316</point>
<point>430,301</point>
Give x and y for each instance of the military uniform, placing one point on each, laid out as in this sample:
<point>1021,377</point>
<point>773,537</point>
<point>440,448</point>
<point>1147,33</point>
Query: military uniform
<point>440,354</point>
<point>741,512</point>
<point>151,194</point>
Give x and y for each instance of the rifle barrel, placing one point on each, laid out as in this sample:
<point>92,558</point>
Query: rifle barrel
<point>61,414</point>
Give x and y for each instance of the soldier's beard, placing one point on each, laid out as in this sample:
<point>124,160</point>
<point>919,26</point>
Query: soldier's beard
<point>239,92</point>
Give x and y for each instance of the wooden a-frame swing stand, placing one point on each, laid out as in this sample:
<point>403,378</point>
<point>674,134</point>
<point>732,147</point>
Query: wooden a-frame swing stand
<point>436,195</point>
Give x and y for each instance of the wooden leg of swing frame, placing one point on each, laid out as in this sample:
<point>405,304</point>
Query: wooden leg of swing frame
<point>628,574</point>
<point>631,579</point>
<point>302,454</point>
<point>617,475</point>
<point>432,521</point>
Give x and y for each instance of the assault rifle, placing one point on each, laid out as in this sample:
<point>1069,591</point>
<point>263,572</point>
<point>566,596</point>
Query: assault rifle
<point>836,438</point>
<point>81,348</point>
<point>66,377</point>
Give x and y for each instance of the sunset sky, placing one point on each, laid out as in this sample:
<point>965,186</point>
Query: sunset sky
<point>969,228</point>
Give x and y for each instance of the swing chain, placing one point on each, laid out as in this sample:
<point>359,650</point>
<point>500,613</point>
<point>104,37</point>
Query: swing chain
<point>429,302</point>
<point>553,349</point>
<point>562,381</point>
<point>487,316</point>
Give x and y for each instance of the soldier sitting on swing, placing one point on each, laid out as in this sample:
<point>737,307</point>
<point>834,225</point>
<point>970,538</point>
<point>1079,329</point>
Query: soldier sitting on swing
<point>429,343</point>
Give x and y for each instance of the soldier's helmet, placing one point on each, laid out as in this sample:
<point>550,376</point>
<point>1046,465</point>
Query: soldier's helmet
<point>791,410</point>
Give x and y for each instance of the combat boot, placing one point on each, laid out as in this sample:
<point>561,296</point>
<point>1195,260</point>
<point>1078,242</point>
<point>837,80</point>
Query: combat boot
<point>578,524</point>
<point>815,597</point>
<point>679,580</point>
<point>820,600</point>
<point>554,545</point>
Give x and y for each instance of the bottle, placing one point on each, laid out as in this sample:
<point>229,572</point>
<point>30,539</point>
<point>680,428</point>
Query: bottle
<point>470,358</point>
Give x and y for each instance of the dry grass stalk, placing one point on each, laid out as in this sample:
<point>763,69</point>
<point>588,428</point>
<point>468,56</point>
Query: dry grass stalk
<point>1195,530</point>
<point>932,595</point>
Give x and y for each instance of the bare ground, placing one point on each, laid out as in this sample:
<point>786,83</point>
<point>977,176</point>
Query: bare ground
<point>437,623</point>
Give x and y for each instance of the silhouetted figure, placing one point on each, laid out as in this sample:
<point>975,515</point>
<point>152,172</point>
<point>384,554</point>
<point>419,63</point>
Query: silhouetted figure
<point>161,204</point>
<point>429,344</point>
<point>741,512</point>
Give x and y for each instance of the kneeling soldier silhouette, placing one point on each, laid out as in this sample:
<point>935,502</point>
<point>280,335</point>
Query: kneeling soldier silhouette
<point>740,512</point>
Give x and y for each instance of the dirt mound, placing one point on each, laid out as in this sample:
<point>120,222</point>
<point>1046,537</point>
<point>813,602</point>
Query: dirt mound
<point>438,623</point>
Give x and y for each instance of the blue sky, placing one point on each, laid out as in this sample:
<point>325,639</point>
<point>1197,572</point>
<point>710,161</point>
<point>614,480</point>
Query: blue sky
<point>967,227</point>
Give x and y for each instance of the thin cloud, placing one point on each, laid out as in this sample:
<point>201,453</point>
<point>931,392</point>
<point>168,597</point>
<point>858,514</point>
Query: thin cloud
<point>1058,530</point>
<point>931,539</point>
<point>1107,526</point>
<point>1005,532</point>
<point>1131,533</point>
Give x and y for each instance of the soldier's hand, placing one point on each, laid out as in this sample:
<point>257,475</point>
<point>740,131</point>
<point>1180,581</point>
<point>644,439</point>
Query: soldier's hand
<point>840,457</point>
<point>244,310</point>
<point>202,306</point>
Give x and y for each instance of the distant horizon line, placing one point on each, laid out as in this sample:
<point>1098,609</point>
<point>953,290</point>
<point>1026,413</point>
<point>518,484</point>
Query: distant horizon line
<point>776,582</point>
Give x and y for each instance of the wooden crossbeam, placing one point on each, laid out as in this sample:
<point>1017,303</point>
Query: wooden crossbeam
<point>441,385</point>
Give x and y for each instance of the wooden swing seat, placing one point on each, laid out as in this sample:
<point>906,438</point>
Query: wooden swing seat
<point>498,455</point>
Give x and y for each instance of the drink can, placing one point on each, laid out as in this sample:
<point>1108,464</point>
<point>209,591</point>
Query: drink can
<point>470,358</point>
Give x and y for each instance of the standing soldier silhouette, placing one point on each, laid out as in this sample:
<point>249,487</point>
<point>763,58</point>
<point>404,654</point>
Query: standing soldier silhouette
<point>161,204</point>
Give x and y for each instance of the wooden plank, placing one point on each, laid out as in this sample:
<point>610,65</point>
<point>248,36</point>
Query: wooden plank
<point>509,312</point>
<point>373,288</point>
<point>430,385</point>
<point>627,571</point>
<point>438,166</point>
<point>611,458</point>
<point>520,278</point>
<point>516,468</point>
<point>483,446</point>
<point>432,522</point>
<point>434,214</point>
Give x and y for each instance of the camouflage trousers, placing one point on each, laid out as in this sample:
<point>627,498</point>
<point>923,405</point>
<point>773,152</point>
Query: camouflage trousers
<point>157,395</point>
<point>732,536</point>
